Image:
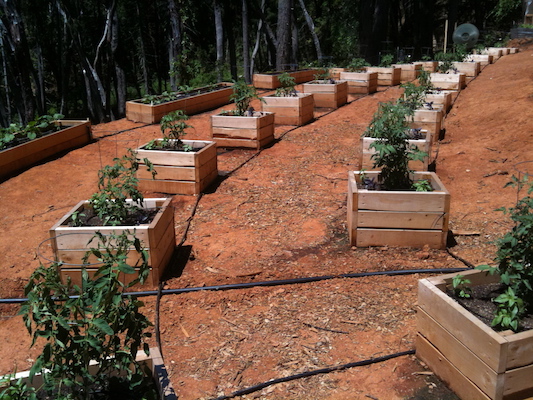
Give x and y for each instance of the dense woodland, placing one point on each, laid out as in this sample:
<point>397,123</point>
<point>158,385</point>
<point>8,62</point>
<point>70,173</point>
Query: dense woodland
<point>85,58</point>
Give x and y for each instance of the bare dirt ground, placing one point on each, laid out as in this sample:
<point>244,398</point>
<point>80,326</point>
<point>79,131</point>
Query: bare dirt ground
<point>280,214</point>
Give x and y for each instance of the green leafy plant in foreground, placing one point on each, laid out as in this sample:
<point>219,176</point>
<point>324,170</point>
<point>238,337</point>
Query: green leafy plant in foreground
<point>514,259</point>
<point>93,321</point>
<point>31,131</point>
<point>357,64</point>
<point>116,184</point>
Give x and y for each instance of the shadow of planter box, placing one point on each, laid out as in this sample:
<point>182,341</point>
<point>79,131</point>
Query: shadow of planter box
<point>154,362</point>
<point>74,133</point>
<point>409,72</point>
<point>292,110</point>
<point>360,82</point>
<point>249,131</point>
<point>398,218</point>
<point>473,359</point>
<point>179,172</point>
<point>329,95</point>
<point>387,76</point>
<point>69,244</point>
<point>428,120</point>
<point>470,68</point>
<point>448,81</point>
<point>367,164</point>
<point>483,59</point>
<point>271,80</point>
<point>137,111</point>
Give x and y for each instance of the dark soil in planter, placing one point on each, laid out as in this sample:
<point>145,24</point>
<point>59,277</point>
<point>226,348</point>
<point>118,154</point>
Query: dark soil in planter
<point>173,96</point>
<point>482,306</point>
<point>137,216</point>
<point>21,140</point>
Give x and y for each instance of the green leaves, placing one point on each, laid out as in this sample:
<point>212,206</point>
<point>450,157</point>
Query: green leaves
<point>242,95</point>
<point>95,323</point>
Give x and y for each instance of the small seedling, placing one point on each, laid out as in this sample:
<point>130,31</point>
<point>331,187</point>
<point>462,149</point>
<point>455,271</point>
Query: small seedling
<point>287,83</point>
<point>173,127</point>
<point>460,286</point>
<point>242,95</point>
<point>423,185</point>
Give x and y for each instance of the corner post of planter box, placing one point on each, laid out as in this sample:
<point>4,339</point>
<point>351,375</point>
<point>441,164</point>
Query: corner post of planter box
<point>352,206</point>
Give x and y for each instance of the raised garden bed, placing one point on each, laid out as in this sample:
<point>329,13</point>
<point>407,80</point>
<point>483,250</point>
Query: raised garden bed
<point>397,218</point>
<point>473,359</point>
<point>440,100</point>
<point>470,68</point>
<point>409,72</point>
<point>428,120</point>
<point>254,131</point>
<point>179,172</point>
<point>387,76</point>
<point>360,82</point>
<point>429,66</point>
<point>326,94</point>
<point>271,81</point>
<point>448,81</point>
<point>290,110</point>
<point>74,133</point>
<point>199,100</point>
<point>483,59</point>
<point>69,243</point>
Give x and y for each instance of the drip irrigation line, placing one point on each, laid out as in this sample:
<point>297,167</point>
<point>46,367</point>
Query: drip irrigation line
<point>280,282</point>
<point>307,374</point>
<point>465,262</point>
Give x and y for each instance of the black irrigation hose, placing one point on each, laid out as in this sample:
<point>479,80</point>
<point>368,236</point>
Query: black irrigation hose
<point>306,374</point>
<point>279,282</point>
<point>122,131</point>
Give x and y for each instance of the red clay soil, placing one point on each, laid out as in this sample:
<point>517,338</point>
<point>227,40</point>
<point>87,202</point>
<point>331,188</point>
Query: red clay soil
<point>279,214</point>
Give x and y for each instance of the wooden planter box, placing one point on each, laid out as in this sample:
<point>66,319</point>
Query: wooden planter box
<point>154,362</point>
<point>335,73</point>
<point>330,95</point>
<point>483,59</point>
<point>360,82</point>
<point>409,72</point>
<point>251,132</point>
<point>367,164</point>
<point>398,218</point>
<point>495,52</point>
<point>470,68</point>
<point>448,81</point>
<point>473,359</point>
<point>387,76</point>
<point>271,80</point>
<point>295,110</point>
<point>179,172</point>
<point>441,100</point>
<point>70,243</point>
<point>428,120</point>
<point>150,114</point>
<point>429,66</point>
<point>75,133</point>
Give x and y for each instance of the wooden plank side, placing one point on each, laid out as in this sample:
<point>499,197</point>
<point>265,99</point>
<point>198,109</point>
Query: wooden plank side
<point>402,201</point>
<point>459,356</point>
<point>518,383</point>
<point>469,330</point>
<point>352,209</point>
<point>461,385</point>
<point>520,349</point>
<point>369,237</point>
<point>400,220</point>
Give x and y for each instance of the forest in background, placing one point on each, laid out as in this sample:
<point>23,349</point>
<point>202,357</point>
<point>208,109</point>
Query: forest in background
<point>86,58</point>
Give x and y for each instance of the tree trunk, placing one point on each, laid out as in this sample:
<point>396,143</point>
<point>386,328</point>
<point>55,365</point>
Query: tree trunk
<point>311,26</point>
<point>246,43</point>
<point>219,30</point>
<point>283,35</point>
<point>174,47</point>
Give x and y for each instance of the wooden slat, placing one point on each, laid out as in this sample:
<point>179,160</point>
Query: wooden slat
<point>400,220</point>
<point>461,385</point>
<point>367,237</point>
<point>472,367</point>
